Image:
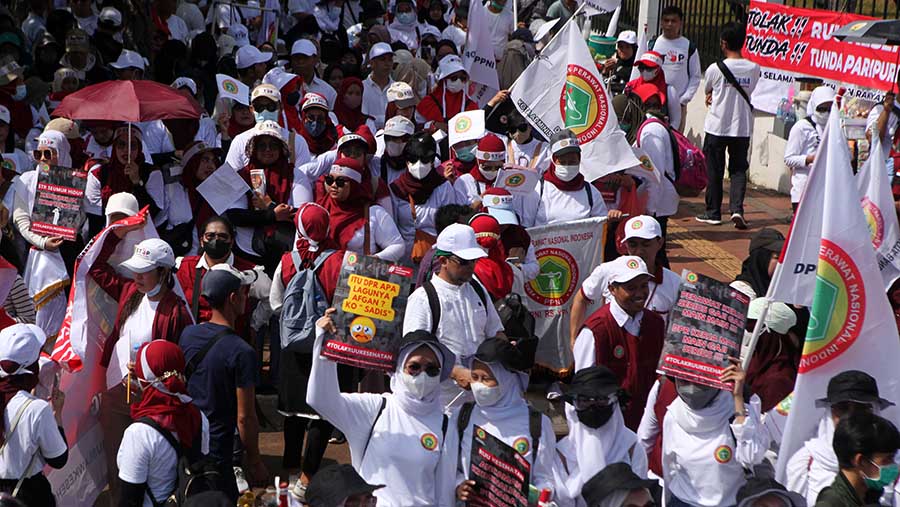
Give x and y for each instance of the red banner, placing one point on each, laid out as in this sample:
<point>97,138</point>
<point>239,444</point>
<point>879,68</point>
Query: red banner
<point>799,41</point>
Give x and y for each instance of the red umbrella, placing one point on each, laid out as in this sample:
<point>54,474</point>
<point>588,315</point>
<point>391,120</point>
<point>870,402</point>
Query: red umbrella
<point>127,101</point>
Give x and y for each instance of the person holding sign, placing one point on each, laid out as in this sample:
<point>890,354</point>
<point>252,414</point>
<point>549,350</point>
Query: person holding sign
<point>710,436</point>
<point>624,337</point>
<point>400,439</point>
<point>499,379</point>
<point>563,194</point>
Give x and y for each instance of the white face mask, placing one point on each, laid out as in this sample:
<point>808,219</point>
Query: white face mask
<point>648,75</point>
<point>394,148</point>
<point>821,118</point>
<point>419,169</point>
<point>455,85</point>
<point>421,385</point>
<point>491,175</point>
<point>486,396</point>
<point>567,172</point>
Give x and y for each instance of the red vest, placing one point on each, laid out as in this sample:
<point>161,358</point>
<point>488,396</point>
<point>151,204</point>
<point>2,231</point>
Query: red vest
<point>633,359</point>
<point>186,272</point>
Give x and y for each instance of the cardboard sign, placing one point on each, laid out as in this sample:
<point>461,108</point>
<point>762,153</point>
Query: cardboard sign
<point>370,299</point>
<point>58,203</point>
<point>500,473</point>
<point>705,327</point>
<point>517,180</point>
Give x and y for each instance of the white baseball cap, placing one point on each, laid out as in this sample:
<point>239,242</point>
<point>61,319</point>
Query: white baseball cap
<point>459,240</point>
<point>304,47</point>
<point>628,36</point>
<point>643,226</point>
<point>399,126</point>
<point>185,82</point>
<point>240,34</point>
<point>380,49</point>
<point>128,59</point>
<point>122,202</point>
<point>450,64</point>
<point>247,277</point>
<point>4,115</point>
<point>499,204</point>
<point>111,15</point>
<point>248,56</point>
<point>21,344</point>
<point>402,94</point>
<point>626,268</point>
<point>266,91</point>
<point>150,254</point>
<point>268,128</point>
<point>313,99</point>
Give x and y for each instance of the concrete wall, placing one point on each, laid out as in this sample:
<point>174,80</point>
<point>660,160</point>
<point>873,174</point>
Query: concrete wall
<point>767,167</point>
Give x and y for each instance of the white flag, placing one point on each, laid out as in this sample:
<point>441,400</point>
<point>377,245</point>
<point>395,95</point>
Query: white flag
<point>643,42</point>
<point>562,88</point>
<point>231,88</point>
<point>878,207</point>
<point>851,325</point>
<point>600,6</point>
<point>478,56</point>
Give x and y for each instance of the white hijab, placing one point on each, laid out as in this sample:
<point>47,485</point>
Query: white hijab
<point>57,141</point>
<point>594,448</point>
<point>511,402</point>
<point>715,415</point>
<point>410,404</point>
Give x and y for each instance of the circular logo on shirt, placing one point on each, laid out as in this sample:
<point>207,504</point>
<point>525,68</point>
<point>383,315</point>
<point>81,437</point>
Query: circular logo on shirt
<point>521,445</point>
<point>646,163</point>
<point>8,164</point>
<point>619,352</point>
<point>632,264</point>
<point>480,433</point>
<point>362,329</point>
<point>583,104</point>
<point>723,454</point>
<point>463,124</point>
<point>557,279</point>
<point>874,220</point>
<point>691,277</point>
<point>351,259</point>
<point>513,181</point>
<point>429,441</point>
<point>838,311</point>
<point>637,224</point>
<point>229,86</point>
<point>784,406</point>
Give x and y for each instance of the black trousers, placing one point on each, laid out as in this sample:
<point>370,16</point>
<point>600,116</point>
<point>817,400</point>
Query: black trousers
<point>35,490</point>
<point>317,432</point>
<point>738,163</point>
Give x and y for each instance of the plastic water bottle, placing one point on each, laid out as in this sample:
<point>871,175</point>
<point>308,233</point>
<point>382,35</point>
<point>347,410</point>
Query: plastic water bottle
<point>544,499</point>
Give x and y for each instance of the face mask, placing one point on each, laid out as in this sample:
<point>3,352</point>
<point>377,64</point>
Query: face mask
<point>155,290</point>
<point>466,154</point>
<point>353,101</point>
<point>394,148</point>
<point>421,385</point>
<point>262,116</point>
<point>455,85</point>
<point>887,474</point>
<point>696,396</point>
<point>567,172</point>
<point>21,91</point>
<point>821,118</point>
<point>491,175</point>
<point>217,249</point>
<point>648,75</point>
<point>406,18</point>
<point>486,396</point>
<point>315,127</point>
<point>419,169</point>
<point>497,5</point>
<point>595,417</point>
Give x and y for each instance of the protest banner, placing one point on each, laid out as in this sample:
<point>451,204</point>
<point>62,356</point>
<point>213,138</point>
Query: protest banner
<point>370,299</point>
<point>517,180</point>
<point>706,326</point>
<point>788,41</point>
<point>566,253</point>
<point>501,473</point>
<point>58,203</point>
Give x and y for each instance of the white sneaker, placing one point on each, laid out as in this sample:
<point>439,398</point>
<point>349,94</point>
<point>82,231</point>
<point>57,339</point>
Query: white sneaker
<point>738,220</point>
<point>298,491</point>
<point>554,392</point>
<point>240,480</point>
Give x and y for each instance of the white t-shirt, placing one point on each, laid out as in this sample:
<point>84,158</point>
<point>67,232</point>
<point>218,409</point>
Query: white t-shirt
<point>237,153</point>
<point>136,331</point>
<point>145,456</point>
<point>558,206</point>
<point>681,68</point>
<point>729,114</point>
<point>534,154</point>
<point>892,123</point>
<point>663,198</point>
<point>802,142</point>
<point>385,241</point>
<point>36,432</point>
<point>501,26</point>
<point>374,101</point>
<point>470,191</point>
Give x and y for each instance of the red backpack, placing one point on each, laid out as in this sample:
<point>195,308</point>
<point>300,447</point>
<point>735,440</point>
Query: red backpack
<point>690,162</point>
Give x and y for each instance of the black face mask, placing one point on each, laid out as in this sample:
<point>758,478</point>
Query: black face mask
<point>217,249</point>
<point>595,417</point>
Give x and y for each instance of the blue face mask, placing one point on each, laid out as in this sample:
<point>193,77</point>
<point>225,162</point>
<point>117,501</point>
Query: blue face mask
<point>406,18</point>
<point>265,116</point>
<point>21,92</point>
<point>466,154</point>
<point>315,127</point>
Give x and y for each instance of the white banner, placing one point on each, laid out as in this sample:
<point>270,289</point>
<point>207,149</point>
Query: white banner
<point>566,253</point>
<point>878,207</point>
<point>562,88</point>
<point>478,55</point>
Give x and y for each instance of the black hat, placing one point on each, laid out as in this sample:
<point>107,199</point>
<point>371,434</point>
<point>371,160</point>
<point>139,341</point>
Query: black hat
<point>422,337</point>
<point>853,385</point>
<point>333,484</point>
<point>518,357</point>
<point>593,382</point>
<point>768,239</point>
<point>756,487</point>
<point>615,477</point>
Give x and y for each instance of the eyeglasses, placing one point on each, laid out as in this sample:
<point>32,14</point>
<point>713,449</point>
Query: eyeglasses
<point>367,501</point>
<point>585,402</point>
<point>268,145</point>
<point>331,181</point>
<point>42,154</point>
<point>520,128</point>
<point>353,151</point>
<point>463,263</point>
<point>431,369</point>
<point>209,236</point>
<point>265,105</point>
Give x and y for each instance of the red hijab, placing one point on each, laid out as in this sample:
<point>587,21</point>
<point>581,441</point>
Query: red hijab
<point>202,210</point>
<point>350,118</point>
<point>312,221</point>
<point>19,111</point>
<point>492,271</point>
<point>325,141</point>
<point>347,216</point>
<point>115,180</point>
<point>160,371</point>
<point>279,175</point>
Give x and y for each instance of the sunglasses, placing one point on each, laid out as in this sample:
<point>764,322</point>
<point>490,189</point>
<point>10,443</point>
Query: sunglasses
<point>430,369</point>
<point>425,159</point>
<point>42,154</point>
<point>584,402</point>
<point>461,262</point>
<point>268,145</point>
<point>267,105</point>
<point>353,151</point>
<point>520,128</point>
<point>331,181</point>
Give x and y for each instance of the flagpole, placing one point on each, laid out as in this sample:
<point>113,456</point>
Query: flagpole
<point>574,15</point>
<point>757,329</point>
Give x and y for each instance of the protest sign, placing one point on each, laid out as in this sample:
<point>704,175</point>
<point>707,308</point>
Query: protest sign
<point>223,188</point>
<point>517,180</point>
<point>500,473</point>
<point>566,253</point>
<point>788,41</point>
<point>370,299</point>
<point>706,326</point>
<point>58,209</point>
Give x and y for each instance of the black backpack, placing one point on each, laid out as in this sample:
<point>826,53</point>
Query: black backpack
<point>535,426</point>
<point>196,472</point>
<point>517,321</point>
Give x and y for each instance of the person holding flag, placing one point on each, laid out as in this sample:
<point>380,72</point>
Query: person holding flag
<point>563,194</point>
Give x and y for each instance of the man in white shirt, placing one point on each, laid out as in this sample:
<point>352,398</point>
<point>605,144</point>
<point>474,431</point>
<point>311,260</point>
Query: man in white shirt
<point>453,306</point>
<point>251,64</point>
<point>501,23</point>
<point>374,104</point>
<point>681,61</point>
<point>304,60</point>
<point>84,13</point>
<point>729,125</point>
